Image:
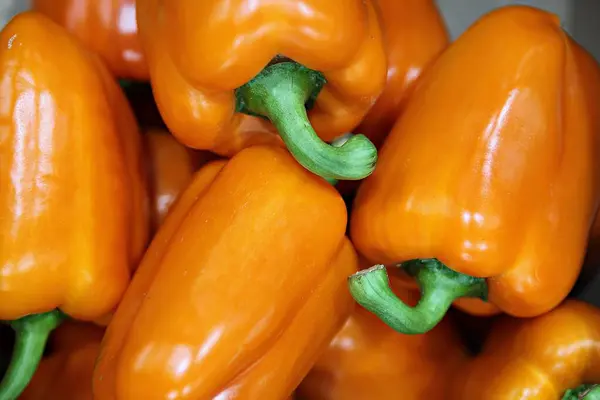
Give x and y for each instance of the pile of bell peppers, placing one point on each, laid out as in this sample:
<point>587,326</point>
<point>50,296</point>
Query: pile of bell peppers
<point>315,200</point>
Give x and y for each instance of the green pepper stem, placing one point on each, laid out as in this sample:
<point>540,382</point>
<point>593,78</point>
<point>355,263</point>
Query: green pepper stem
<point>583,392</point>
<point>338,142</point>
<point>280,93</point>
<point>32,334</point>
<point>592,394</point>
<point>439,285</point>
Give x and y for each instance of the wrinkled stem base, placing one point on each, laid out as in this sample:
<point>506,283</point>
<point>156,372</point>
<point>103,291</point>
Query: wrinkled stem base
<point>281,93</point>
<point>440,286</point>
<point>32,334</point>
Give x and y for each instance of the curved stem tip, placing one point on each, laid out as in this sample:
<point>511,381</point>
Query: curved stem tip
<point>281,93</point>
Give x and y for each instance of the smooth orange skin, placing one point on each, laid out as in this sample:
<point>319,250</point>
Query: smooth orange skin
<point>415,34</point>
<point>369,360</point>
<point>304,340</point>
<point>228,278</point>
<point>535,359</point>
<point>67,373</point>
<point>171,168</point>
<point>108,27</point>
<point>198,52</point>
<point>72,182</point>
<point>497,176</point>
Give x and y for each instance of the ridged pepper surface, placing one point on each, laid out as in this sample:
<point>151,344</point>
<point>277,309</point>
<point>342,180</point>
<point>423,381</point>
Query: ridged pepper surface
<point>72,188</point>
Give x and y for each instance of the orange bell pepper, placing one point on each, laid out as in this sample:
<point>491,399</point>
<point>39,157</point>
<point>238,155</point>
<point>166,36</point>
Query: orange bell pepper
<point>414,34</point>
<point>536,358</point>
<point>66,373</point>
<point>486,187</point>
<point>241,288</point>
<point>72,185</point>
<point>209,65</point>
<point>107,27</point>
<point>368,360</point>
<point>171,167</point>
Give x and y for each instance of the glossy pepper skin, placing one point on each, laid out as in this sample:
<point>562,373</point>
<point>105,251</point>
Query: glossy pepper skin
<point>72,185</point>
<point>108,27</point>
<point>537,358</point>
<point>241,288</point>
<point>415,34</point>
<point>66,373</point>
<point>209,61</point>
<point>488,187</point>
<point>369,360</point>
<point>171,167</point>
